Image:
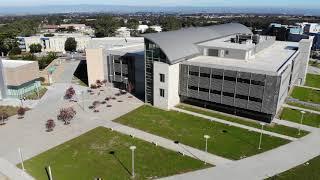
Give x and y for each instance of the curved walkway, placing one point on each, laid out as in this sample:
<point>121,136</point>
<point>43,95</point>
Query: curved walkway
<point>301,109</point>
<point>168,144</point>
<point>263,165</point>
<point>235,124</point>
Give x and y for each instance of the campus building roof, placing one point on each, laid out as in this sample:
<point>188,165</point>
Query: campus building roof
<point>182,43</point>
<point>269,61</point>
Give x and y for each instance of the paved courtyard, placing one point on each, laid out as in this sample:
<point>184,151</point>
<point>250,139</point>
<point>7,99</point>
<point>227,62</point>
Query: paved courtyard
<point>30,134</point>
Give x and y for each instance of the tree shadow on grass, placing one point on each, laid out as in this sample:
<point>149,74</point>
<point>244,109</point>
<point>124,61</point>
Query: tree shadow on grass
<point>113,153</point>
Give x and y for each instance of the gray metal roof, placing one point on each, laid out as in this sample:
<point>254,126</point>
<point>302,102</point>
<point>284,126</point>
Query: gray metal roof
<point>182,43</point>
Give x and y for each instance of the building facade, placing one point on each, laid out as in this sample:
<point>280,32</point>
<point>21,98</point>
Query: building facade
<point>120,61</point>
<point>223,67</point>
<point>19,78</point>
<point>53,44</point>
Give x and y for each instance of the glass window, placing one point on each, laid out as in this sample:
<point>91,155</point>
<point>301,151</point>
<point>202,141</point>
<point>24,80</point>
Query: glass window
<point>194,73</point>
<point>162,92</point>
<point>193,88</point>
<point>205,75</point>
<point>215,76</point>
<point>162,78</point>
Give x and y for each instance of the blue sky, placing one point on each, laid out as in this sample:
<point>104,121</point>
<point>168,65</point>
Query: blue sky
<point>261,3</point>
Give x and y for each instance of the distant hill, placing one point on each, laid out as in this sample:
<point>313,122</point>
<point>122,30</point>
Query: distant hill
<point>23,10</point>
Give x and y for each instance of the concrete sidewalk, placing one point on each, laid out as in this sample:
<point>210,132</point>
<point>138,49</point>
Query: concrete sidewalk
<point>309,87</point>
<point>168,144</point>
<point>9,171</point>
<point>263,165</point>
<point>235,124</point>
<point>301,109</point>
<point>294,125</point>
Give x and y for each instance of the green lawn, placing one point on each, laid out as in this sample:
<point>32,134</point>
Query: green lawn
<point>314,64</point>
<point>306,94</point>
<point>34,95</point>
<point>293,115</point>
<point>91,155</point>
<point>304,106</point>
<point>306,171</point>
<point>280,129</point>
<point>78,81</point>
<point>227,141</point>
<point>313,80</point>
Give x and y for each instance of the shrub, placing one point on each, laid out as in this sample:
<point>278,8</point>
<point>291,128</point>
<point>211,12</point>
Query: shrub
<point>42,79</point>
<point>70,92</point>
<point>66,115</point>
<point>95,104</point>
<point>21,112</point>
<point>93,86</point>
<point>4,116</point>
<point>50,125</point>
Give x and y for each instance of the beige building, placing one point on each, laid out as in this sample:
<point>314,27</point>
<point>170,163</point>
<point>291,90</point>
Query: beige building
<point>117,60</point>
<point>19,77</point>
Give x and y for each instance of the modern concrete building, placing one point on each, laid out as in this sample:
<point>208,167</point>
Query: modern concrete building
<point>120,61</point>
<point>223,67</point>
<point>18,78</point>
<point>55,43</point>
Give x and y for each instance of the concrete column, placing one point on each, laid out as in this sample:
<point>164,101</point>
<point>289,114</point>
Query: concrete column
<point>304,56</point>
<point>3,85</point>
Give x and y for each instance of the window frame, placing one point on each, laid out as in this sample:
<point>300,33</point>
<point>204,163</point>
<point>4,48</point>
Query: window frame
<point>162,92</point>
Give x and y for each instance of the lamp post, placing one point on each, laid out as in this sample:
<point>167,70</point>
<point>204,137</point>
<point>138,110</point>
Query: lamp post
<point>260,141</point>
<point>132,149</point>
<point>206,137</point>
<point>302,114</point>
<point>21,159</point>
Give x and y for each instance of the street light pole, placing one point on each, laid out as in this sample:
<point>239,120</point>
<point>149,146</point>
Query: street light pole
<point>21,159</point>
<point>260,141</point>
<point>302,114</point>
<point>132,149</point>
<point>206,137</point>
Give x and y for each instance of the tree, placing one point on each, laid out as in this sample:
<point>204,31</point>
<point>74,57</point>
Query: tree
<point>50,124</point>
<point>4,116</point>
<point>106,26</point>
<point>130,88</point>
<point>15,51</point>
<point>70,92</point>
<point>21,112</point>
<point>132,24</point>
<point>150,30</point>
<point>46,60</point>
<point>35,48</point>
<point>66,115</point>
<point>70,44</point>
<point>71,29</point>
<point>171,23</point>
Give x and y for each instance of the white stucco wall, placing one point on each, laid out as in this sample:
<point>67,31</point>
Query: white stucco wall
<point>95,65</point>
<point>170,86</point>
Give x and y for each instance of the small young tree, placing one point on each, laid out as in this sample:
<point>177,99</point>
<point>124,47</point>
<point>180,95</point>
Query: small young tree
<point>35,48</point>
<point>70,92</point>
<point>99,83</point>
<point>130,87</point>
<point>66,115</point>
<point>21,112</point>
<point>70,44</point>
<point>105,82</point>
<point>50,125</point>
<point>4,116</point>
